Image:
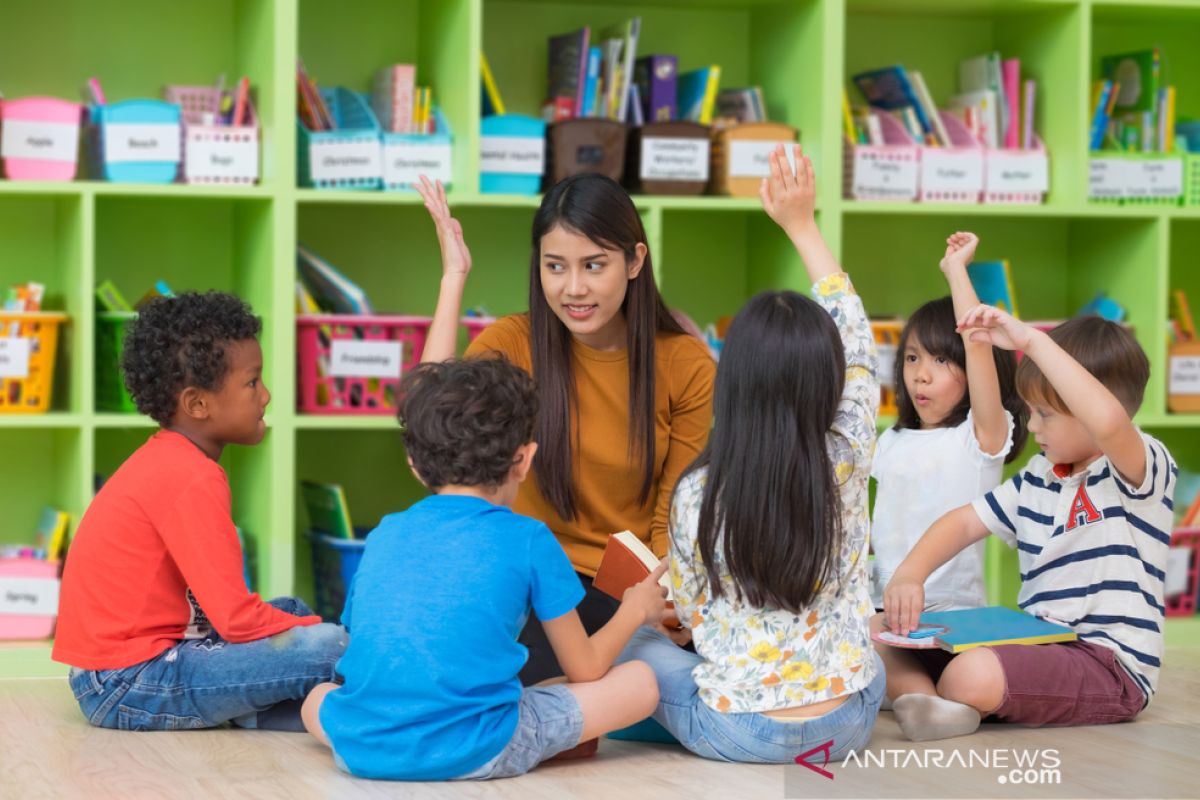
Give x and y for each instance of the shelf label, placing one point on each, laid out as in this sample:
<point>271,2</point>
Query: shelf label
<point>952,172</point>
<point>1185,375</point>
<point>672,158</point>
<point>344,159</point>
<point>751,158</point>
<point>42,141</point>
<point>1017,172</point>
<point>1154,178</point>
<point>886,354</point>
<point>884,175</point>
<point>404,162</point>
<point>14,356</point>
<point>35,597</point>
<point>512,155</point>
<point>1106,178</point>
<point>125,141</point>
<point>353,358</point>
<point>216,156</point>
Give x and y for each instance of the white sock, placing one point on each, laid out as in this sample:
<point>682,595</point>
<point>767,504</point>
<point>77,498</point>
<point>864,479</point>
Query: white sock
<point>924,717</point>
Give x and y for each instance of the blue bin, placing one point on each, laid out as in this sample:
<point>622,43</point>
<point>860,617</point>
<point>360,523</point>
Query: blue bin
<point>428,150</point>
<point>334,564</point>
<point>512,156</point>
<point>157,128</point>
<point>356,143</point>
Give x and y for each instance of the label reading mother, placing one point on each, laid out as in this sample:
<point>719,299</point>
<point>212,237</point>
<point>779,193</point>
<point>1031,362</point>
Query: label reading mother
<point>674,159</point>
<point>42,141</point>
<point>512,155</point>
<point>351,358</point>
<point>1017,172</point>
<point>124,141</point>
<point>344,159</point>
<point>405,162</point>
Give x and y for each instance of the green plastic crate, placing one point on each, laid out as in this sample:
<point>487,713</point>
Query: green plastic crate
<point>1191,179</point>
<point>111,394</point>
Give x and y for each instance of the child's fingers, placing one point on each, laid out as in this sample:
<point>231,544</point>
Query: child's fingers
<point>776,170</point>
<point>764,194</point>
<point>809,179</point>
<point>658,572</point>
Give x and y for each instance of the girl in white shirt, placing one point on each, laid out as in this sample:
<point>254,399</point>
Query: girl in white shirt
<point>960,419</point>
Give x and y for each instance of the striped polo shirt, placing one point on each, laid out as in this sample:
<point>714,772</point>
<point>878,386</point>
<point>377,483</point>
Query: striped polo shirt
<point>1093,551</point>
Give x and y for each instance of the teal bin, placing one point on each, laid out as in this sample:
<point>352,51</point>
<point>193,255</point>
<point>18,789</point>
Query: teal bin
<point>135,141</point>
<point>512,157</point>
<point>334,562</point>
<point>349,157</point>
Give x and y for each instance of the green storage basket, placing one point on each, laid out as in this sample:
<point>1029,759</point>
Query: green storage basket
<point>111,394</point>
<point>1173,200</point>
<point>1191,179</point>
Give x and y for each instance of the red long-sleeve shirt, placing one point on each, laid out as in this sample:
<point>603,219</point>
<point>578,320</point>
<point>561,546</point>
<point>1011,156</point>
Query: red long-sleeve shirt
<point>156,559</point>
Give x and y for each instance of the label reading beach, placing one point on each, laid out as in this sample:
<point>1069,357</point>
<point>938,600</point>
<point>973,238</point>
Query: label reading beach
<point>1185,374</point>
<point>952,172</point>
<point>37,597</point>
<point>351,358</point>
<point>14,357</point>
<point>1156,178</point>
<point>218,159</point>
<point>674,159</point>
<point>124,141</point>
<point>1107,178</point>
<point>344,159</point>
<point>512,155</point>
<point>43,141</point>
<point>1016,172</point>
<point>879,176</point>
<point>406,162</point>
<point>751,159</point>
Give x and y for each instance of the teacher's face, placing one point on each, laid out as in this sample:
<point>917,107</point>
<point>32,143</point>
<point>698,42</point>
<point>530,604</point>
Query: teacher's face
<point>585,285</point>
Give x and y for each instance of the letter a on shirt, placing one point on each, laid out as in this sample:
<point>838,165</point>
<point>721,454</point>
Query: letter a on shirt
<point>1083,512</point>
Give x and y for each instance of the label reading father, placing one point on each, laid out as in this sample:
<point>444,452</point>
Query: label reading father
<point>405,162</point>
<point>14,357</point>
<point>342,159</point>
<point>512,155</point>
<point>674,159</point>
<point>884,178</point>
<point>952,172</point>
<point>141,142</point>
<point>42,141</point>
<point>209,158</point>
<point>350,358</point>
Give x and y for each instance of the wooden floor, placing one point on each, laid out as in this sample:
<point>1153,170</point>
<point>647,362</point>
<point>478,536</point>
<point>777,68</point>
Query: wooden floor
<point>47,750</point>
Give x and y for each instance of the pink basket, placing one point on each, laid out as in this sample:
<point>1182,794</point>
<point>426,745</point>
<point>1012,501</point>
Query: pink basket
<point>476,325</point>
<point>351,364</point>
<point>39,138</point>
<point>32,582</point>
<point>220,154</point>
<point>1184,604</point>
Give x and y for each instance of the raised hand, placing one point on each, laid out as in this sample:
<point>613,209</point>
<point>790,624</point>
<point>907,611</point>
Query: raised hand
<point>996,327</point>
<point>789,195</point>
<point>960,249</point>
<point>456,258</point>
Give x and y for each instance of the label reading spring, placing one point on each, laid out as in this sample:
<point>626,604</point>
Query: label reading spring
<point>674,159</point>
<point>351,358</point>
<point>125,141</point>
<point>35,597</point>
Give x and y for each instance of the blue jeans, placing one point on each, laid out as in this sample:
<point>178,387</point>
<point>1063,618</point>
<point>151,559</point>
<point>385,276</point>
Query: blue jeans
<point>202,683</point>
<point>752,738</point>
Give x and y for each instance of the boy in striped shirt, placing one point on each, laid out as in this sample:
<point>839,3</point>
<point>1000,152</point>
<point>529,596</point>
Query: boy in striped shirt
<point>1090,516</point>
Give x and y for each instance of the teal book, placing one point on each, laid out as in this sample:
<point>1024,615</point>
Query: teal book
<point>993,283</point>
<point>957,631</point>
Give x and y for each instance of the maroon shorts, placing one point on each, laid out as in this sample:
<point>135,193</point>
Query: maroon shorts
<point>1072,683</point>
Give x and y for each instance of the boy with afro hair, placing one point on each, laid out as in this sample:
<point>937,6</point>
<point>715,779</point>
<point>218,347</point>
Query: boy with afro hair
<point>155,618</point>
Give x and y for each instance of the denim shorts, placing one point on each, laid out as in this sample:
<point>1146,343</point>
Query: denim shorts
<point>550,721</point>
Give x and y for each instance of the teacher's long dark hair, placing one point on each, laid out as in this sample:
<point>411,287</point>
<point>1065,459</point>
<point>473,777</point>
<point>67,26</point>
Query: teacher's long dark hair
<point>598,208</point>
<point>771,500</point>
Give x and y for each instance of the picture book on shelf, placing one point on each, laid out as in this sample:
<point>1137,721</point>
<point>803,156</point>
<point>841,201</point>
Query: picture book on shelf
<point>327,508</point>
<point>964,629</point>
<point>698,94</point>
<point>1137,74</point>
<point>109,298</point>
<point>332,290</point>
<point>492,102</point>
<point>993,284</point>
<point>656,81</point>
<point>566,72</point>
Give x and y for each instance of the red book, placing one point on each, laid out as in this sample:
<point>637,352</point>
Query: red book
<point>626,561</point>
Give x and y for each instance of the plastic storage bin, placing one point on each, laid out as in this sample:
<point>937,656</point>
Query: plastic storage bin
<point>408,156</point>
<point>740,155</point>
<point>111,394</point>
<point>347,158</point>
<point>135,141</point>
<point>28,345</point>
<point>28,598</point>
<point>334,563</point>
<point>889,171</point>
<point>39,138</point>
<point>1016,177</point>
<point>351,364</point>
<point>512,154</point>
<point>215,154</point>
<point>476,325</point>
<point>1137,178</point>
<point>952,174</point>
<point>669,158</point>
<point>1185,546</point>
<point>585,145</point>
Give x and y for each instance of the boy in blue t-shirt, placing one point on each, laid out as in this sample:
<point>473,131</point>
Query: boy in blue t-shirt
<point>431,689</point>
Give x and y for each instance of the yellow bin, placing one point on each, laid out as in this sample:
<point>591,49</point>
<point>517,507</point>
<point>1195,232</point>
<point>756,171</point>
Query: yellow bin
<point>28,343</point>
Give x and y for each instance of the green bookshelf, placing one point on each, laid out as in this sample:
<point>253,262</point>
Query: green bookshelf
<point>711,253</point>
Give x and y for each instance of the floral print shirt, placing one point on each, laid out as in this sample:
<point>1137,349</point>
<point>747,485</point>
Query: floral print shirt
<point>764,659</point>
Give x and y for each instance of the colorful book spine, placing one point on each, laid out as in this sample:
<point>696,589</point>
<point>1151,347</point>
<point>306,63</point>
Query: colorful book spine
<point>1012,92</point>
<point>655,77</point>
<point>492,102</point>
<point>1028,104</point>
<point>591,82</point>
<point>1104,92</point>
